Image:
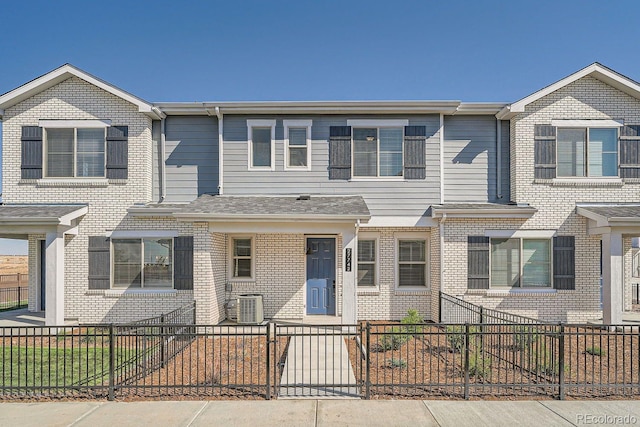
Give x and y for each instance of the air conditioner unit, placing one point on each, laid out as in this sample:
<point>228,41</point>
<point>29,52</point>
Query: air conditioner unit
<point>250,310</point>
<point>231,309</point>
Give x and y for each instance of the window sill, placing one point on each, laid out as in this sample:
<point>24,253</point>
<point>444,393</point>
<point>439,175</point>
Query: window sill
<point>71,182</point>
<point>581,182</point>
<point>136,293</point>
<point>513,292</point>
<point>380,179</point>
<point>412,291</point>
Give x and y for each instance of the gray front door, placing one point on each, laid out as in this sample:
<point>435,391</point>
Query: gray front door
<point>321,275</point>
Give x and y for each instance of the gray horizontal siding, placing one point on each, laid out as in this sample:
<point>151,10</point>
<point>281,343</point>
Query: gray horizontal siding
<point>470,159</point>
<point>191,150</point>
<point>505,187</point>
<point>411,197</point>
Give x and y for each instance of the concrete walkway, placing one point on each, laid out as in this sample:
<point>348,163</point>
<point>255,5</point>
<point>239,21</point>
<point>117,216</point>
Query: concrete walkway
<point>281,413</point>
<point>318,366</point>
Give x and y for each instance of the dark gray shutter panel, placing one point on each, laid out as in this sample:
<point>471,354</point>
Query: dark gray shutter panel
<point>340,152</point>
<point>478,262</point>
<point>31,163</point>
<point>415,141</point>
<point>117,152</point>
<point>183,262</point>
<point>545,151</point>
<point>630,151</point>
<point>99,263</point>
<point>564,262</point>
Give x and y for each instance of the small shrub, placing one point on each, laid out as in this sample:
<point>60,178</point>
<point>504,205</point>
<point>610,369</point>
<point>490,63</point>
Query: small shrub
<point>413,320</point>
<point>394,363</point>
<point>524,336</point>
<point>479,365</point>
<point>544,360</point>
<point>455,335</point>
<point>596,351</point>
<point>393,339</point>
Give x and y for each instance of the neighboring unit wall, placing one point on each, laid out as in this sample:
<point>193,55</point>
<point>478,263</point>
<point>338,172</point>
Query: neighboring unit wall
<point>577,305</point>
<point>386,301</point>
<point>191,158</point>
<point>470,159</point>
<point>384,197</point>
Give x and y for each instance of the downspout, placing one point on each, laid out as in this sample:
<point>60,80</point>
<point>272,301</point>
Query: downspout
<point>163,164</point>
<point>441,132</point>
<point>220,149</point>
<point>354,259</point>
<point>442,221</point>
<point>499,158</point>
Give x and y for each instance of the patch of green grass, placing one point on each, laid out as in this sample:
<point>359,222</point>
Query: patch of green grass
<point>55,367</point>
<point>596,351</point>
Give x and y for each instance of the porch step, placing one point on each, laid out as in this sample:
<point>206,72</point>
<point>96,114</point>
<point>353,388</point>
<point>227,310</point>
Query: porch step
<point>318,366</point>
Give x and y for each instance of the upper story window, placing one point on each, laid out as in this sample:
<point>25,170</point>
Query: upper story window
<point>261,144</point>
<point>377,152</point>
<point>297,136</point>
<point>587,152</point>
<point>74,152</point>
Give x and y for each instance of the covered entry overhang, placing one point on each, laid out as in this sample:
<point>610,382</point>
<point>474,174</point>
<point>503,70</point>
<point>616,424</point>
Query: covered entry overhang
<point>612,222</point>
<point>54,221</point>
<point>310,215</point>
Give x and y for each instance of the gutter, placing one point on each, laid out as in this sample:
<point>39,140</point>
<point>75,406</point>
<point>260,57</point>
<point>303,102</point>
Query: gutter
<point>220,150</point>
<point>268,218</point>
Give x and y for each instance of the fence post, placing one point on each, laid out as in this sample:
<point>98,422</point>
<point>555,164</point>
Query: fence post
<point>19,294</point>
<point>466,360</point>
<point>440,307</point>
<point>561,385</point>
<point>367,384</point>
<point>112,363</point>
<point>163,344</point>
<point>268,361</point>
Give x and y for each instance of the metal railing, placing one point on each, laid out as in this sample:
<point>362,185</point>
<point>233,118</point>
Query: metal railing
<point>369,360</point>
<point>12,298</point>
<point>456,310</point>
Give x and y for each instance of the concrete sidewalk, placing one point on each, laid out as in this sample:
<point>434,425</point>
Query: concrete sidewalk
<point>322,413</point>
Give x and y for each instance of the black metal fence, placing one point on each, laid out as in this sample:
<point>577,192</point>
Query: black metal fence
<point>12,298</point>
<point>456,310</point>
<point>158,358</point>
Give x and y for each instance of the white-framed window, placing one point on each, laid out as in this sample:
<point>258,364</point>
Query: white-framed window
<point>74,152</point>
<point>520,263</point>
<point>142,262</point>
<point>261,138</point>
<point>635,257</point>
<point>587,152</point>
<point>242,259</point>
<point>377,148</point>
<point>368,260</point>
<point>412,252</point>
<point>297,144</point>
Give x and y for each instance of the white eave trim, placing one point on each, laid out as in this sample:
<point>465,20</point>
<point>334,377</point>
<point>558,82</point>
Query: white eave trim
<point>596,70</point>
<point>270,218</point>
<point>485,213</point>
<point>64,72</point>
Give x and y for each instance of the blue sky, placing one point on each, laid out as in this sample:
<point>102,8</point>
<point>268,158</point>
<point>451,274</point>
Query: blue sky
<point>319,50</point>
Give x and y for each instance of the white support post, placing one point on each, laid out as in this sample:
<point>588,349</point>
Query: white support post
<point>54,310</point>
<point>349,283</point>
<point>612,278</point>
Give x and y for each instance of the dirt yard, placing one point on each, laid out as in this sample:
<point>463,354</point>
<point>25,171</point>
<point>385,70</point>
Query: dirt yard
<point>12,264</point>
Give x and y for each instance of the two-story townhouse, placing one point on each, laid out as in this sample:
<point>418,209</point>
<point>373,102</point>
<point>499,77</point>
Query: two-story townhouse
<point>353,210</point>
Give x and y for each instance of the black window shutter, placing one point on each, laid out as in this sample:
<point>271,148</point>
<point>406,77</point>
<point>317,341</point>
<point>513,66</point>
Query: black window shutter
<point>564,262</point>
<point>183,262</point>
<point>31,163</point>
<point>117,152</point>
<point>630,151</point>
<point>415,140</point>
<point>478,262</point>
<point>545,151</point>
<point>340,152</point>
<point>99,263</point>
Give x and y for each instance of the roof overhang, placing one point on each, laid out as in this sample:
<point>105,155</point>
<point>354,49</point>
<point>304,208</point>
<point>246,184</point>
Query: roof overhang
<point>193,217</point>
<point>596,70</point>
<point>613,215</point>
<point>483,211</point>
<point>61,74</point>
<point>330,107</point>
<point>17,222</point>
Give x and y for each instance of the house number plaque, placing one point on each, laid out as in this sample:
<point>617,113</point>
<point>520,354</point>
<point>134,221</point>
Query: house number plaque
<point>347,259</point>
